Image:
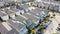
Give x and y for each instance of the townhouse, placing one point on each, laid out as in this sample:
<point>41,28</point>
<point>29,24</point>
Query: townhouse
<point>2,3</point>
<point>39,12</point>
<point>24,20</point>
<point>3,16</point>
<point>56,8</point>
<point>33,19</point>
<point>21,28</point>
<point>10,13</point>
<point>16,11</point>
<point>36,12</point>
<point>35,3</point>
<point>25,7</point>
<point>21,1</point>
<point>4,28</point>
<point>13,31</point>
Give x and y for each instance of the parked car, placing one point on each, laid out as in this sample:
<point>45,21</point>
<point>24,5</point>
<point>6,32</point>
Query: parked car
<point>38,32</point>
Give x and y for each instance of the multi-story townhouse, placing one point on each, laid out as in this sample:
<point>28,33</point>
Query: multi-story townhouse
<point>34,19</point>
<point>10,13</point>
<point>3,16</point>
<point>21,28</point>
<point>4,28</point>
<point>16,11</point>
<point>24,20</point>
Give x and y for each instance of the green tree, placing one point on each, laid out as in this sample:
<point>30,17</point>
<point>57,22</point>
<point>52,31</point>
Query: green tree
<point>54,15</point>
<point>29,31</point>
<point>41,28</point>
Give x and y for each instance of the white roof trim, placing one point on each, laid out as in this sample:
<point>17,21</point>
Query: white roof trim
<point>6,26</point>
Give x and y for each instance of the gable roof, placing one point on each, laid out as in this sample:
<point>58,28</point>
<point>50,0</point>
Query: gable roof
<point>8,11</point>
<point>30,16</point>
<point>4,28</point>
<point>2,14</point>
<point>24,6</point>
<point>15,24</point>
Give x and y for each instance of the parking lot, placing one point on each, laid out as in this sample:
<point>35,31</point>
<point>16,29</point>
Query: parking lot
<point>53,26</point>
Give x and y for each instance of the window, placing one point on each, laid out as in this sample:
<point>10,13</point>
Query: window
<point>1,19</point>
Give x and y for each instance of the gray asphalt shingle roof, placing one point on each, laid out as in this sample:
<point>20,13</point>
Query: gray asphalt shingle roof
<point>15,24</point>
<point>36,12</point>
<point>13,31</point>
<point>8,11</point>
<point>14,9</point>
<point>30,16</point>
<point>2,14</point>
<point>4,28</point>
<point>25,6</point>
<point>20,18</point>
<point>35,3</point>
